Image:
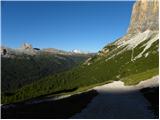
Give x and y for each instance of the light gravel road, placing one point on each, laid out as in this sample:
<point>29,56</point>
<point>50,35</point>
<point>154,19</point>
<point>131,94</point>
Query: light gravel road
<point>116,101</point>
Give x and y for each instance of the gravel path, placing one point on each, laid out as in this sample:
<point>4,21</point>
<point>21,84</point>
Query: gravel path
<point>118,101</point>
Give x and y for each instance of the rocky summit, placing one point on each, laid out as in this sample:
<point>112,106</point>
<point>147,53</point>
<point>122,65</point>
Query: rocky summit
<point>26,46</point>
<point>144,24</point>
<point>144,16</point>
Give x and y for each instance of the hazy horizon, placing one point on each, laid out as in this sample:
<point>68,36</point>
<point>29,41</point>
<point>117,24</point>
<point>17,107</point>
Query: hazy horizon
<point>87,26</point>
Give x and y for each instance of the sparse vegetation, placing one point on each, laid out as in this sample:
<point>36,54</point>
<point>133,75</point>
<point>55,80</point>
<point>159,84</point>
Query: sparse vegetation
<point>110,47</point>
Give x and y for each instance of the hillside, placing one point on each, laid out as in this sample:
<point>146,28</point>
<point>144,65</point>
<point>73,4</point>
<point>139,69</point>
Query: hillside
<point>26,65</point>
<point>132,58</point>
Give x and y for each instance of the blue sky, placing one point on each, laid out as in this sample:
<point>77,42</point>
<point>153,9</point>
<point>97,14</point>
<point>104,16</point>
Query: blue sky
<point>87,26</point>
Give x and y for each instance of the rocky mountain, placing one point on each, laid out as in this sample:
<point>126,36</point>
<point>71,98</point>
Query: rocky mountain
<point>27,49</point>
<point>55,51</point>
<point>26,46</point>
<point>131,59</point>
<point>144,25</point>
<point>145,16</point>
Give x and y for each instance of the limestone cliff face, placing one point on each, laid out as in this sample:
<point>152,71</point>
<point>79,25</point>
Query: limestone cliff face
<point>145,16</point>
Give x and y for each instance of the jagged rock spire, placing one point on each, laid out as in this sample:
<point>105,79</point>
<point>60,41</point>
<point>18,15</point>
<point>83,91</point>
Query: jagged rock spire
<point>26,46</point>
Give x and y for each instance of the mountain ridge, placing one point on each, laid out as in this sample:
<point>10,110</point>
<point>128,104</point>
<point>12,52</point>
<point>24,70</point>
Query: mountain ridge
<point>27,49</point>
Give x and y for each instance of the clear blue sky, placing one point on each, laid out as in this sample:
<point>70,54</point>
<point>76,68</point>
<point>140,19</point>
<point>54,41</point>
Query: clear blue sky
<point>87,26</point>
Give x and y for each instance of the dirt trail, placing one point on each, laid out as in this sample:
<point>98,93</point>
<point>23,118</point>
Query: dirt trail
<point>118,101</point>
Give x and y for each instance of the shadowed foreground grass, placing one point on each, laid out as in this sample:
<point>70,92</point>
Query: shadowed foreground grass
<point>63,108</point>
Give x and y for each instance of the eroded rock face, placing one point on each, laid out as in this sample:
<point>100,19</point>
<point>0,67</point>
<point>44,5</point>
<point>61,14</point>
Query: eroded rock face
<point>145,16</point>
<point>26,46</point>
<point>144,22</point>
<point>3,50</point>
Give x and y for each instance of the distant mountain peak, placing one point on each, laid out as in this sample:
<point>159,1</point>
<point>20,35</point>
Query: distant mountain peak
<point>26,46</point>
<point>76,51</point>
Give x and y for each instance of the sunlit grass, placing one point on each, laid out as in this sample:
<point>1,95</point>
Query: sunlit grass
<point>135,79</point>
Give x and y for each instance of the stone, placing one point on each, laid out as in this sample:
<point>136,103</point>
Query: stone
<point>145,16</point>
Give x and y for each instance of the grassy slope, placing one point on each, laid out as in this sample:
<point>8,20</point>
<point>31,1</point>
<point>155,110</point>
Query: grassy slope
<point>136,78</point>
<point>100,71</point>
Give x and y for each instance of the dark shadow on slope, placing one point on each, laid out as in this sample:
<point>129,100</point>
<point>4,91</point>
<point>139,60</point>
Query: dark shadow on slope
<point>152,95</point>
<point>63,108</point>
<point>41,97</point>
<point>53,94</point>
<point>68,107</point>
<point>118,104</point>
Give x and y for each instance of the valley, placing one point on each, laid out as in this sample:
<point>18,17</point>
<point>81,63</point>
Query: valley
<point>24,66</point>
<point>119,81</point>
<point>101,68</point>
